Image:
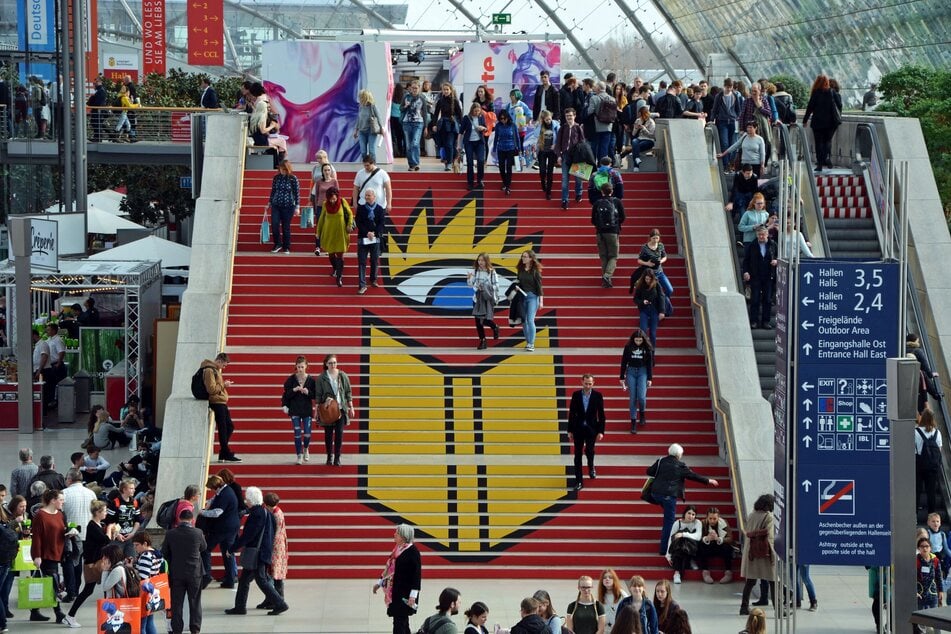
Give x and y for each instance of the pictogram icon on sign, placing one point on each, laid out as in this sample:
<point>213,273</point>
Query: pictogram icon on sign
<point>836,497</point>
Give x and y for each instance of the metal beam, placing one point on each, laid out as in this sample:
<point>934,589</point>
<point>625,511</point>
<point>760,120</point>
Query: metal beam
<point>373,13</point>
<point>680,36</point>
<point>571,38</point>
<point>268,20</point>
<point>646,36</point>
<point>475,21</point>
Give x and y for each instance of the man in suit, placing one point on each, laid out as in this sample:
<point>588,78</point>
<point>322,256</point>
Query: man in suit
<point>759,269</point>
<point>209,98</point>
<point>224,519</point>
<point>97,100</point>
<point>183,549</point>
<point>585,425</point>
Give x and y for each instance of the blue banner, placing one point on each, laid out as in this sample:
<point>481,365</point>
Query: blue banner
<point>36,25</point>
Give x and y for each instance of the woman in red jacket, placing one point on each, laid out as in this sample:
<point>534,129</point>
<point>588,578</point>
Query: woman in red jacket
<point>49,539</point>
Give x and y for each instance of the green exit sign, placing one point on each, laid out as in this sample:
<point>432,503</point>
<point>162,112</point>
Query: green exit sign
<point>501,18</point>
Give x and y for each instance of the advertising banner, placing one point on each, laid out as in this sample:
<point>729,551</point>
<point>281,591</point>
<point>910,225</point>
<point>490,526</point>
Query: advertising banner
<point>118,65</point>
<point>91,37</point>
<point>206,34</point>
<point>503,67</point>
<point>313,87</point>
<point>44,244</point>
<point>36,25</point>
<point>101,349</point>
<point>153,37</point>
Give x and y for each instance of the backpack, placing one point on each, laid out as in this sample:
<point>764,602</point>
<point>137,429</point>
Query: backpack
<point>785,111</point>
<point>930,457</point>
<point>605,215</point>
<point>132,588</point>
<point>433,623</point>
<point>9,545</point>
<point>607,109</point>
<point>199,391</point>
<point>601,177</point>
<point>166,514</point>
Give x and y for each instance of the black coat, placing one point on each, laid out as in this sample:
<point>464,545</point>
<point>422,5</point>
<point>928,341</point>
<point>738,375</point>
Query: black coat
<point>407,576</point>
<point>182,550</point>
<point>590,421</point>
<point>531,624</point>
<point>209,98</point>
<point>298,403</point>
<point>98,98</point>
<point>552,103</point>
<point>258,529</point>
<point>365,225</point>
<point>758,266</point>
<point>825,108</point>
<point>226,524</point>
<point>669,474</point>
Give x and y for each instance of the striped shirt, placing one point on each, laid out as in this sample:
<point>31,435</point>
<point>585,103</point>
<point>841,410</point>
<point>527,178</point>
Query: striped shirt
<point>149,564</point>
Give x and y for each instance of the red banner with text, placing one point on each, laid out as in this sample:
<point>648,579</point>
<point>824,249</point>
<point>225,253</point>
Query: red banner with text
<point>206,33</point>
<point>153,37</point>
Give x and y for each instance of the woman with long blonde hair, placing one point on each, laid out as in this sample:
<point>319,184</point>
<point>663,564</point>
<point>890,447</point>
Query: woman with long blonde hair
<point>485,286</point>
<point>369,124</point>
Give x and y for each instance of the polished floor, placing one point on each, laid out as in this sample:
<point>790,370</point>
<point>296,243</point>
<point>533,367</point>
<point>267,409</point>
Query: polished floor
<point>348,606</point>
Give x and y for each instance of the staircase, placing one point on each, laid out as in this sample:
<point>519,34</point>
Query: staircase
<point>466,445</point>
<point>847,215</point>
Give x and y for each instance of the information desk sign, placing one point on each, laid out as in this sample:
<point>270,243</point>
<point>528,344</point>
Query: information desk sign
<point>847,327</point>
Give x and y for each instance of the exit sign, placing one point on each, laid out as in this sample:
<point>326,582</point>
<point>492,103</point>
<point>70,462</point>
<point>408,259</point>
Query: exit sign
<point>501,18</point>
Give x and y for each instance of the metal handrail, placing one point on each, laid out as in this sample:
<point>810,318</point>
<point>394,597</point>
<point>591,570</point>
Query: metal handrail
<point>799,150</point>
<point>887,216</point>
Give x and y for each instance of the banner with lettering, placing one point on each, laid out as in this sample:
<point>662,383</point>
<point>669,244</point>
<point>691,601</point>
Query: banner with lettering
<point>206,34</point>
<point>153,37</point>
<point>503,67</point>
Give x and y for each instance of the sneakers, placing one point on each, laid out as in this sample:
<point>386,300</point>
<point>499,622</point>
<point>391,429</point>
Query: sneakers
<point>276,250</point>
<point>707,577</point>
<point>287,251</point>
<point>362,290</point>
<point>813,606</point>
<point>231,458</point>
<point>727,577</point>
<point>71,622</point>
<point>306,454</point>
<point>530,347</point>
<point>694,566</point>
<point>677,578</point>
<point>300,459</point>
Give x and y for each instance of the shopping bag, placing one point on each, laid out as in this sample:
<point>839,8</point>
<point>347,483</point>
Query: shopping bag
<point>307,218</point>
<point>581,170</point>
<point>517,163</point>
<point>265,229</point>
<point>24,560</point>
<point>35,592</point>
<point>119,616</point>
<point>155,595</point>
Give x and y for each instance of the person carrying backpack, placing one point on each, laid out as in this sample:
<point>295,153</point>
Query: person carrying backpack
<point>607,216</point>
<point>208,384</point>
<point>927,459</point>
<point>605,174</point>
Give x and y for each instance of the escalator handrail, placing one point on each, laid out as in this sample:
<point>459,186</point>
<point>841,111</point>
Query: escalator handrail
<point>798,134</point>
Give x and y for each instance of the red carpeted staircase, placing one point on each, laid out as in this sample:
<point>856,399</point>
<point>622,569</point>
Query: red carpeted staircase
<point>466,445</point>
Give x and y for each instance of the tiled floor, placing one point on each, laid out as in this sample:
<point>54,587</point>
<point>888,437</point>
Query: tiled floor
<point>348,606</point>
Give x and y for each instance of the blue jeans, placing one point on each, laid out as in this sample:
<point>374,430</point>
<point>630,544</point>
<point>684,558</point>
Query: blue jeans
<point>802,571</point>
<point>412,132</point>
<point>669,504</point>
<point>447,145</point>
<point>664,282</point>
<point>367,144</point>
<point>475,153</point>
<point>639,146</point>
<point>281,226</point>
<point>301,440</point>
<point>148,625</point>
<point>565,177</point>
<point>637,389</point>
<point>649,321</point>
<point>528,323</point>
<point>726,131</point>
<point>604,145</point>
<point>363,250</point>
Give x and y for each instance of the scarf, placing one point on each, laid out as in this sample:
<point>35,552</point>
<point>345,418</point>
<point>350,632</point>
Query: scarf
<point>389,570</point>
<point>331,208</point>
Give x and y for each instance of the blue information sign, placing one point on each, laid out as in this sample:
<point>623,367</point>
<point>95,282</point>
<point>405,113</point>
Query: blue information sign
<point>847,327</point>
<point>781,410</point>
<point>185,182</point>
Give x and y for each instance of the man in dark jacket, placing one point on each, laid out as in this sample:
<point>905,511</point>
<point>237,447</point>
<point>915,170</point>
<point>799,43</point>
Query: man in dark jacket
<point>547,97</point>
<point>531,622</point>
<point>759,269</point>
<point>183,549</point>
<point>371,230</point>
<point>209,98</point>
<point>585,425</point>
<point>223,519</point>
<point>258,534</point>
<point>48,474</point>
<point>98,100</point>
<point>607,216</point>
<point>669,474</point>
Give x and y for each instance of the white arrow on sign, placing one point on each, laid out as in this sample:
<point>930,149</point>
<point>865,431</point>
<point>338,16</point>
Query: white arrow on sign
<point>807,422</point>
<point>806,301</point>
<point>806,325</point>
<point>807,348</point>
<point>806,484</point>
<point>808,277</point>
<point>807,404</point>
<point>807,440</point>
<point>807,386</point>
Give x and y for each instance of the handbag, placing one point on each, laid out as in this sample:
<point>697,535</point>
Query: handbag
<point>265,229</point>
<point>328,411</point>
<point>375,127</point>
<point>250,556</point>
<point>646,494</point>
<point>92,573</point>
<point>35,592</point>
<point>119,615</point>
<point>683,547</point>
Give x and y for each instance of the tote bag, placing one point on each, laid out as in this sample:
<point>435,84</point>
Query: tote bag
<point>35,592</point>
<point>119,616</point>
<point>155,594</point>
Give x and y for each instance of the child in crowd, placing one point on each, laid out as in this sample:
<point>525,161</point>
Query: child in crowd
<point>939,543</point>
<point>928,570</point>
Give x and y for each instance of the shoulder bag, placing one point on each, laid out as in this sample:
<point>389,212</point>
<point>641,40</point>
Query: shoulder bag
<point>328,410</point>
<point>250,556</point>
